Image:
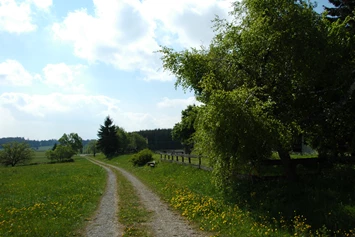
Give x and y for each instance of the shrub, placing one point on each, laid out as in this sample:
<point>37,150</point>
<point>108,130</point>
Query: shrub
<point>61,153</point>
<point>142,157</point>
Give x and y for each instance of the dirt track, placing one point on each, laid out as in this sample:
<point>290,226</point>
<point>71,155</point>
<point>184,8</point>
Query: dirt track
<point>105,222</point>
<point>164,223</point>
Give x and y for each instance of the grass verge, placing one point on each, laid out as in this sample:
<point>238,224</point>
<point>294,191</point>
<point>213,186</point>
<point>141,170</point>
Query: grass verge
<point>50,199</point>
<point>315,206</point>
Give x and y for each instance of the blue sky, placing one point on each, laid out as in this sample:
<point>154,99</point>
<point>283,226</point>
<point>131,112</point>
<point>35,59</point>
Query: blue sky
<point>67,64</point>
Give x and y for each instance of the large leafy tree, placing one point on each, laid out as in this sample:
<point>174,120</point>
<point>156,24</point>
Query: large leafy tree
<point>72,140</point>
<point>278,69</point>
<point>341,137</point>
<point>108,140</point>
<point>14,153</point>
<point>184,130</point>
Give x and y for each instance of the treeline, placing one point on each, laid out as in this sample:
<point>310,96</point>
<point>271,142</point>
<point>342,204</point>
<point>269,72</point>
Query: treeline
<point>160,139</point>
<point>35,144</point>
<point>32,143</point>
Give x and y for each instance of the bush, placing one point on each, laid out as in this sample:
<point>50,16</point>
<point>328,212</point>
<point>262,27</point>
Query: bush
<point>142,157</point>
<point>61,154</point>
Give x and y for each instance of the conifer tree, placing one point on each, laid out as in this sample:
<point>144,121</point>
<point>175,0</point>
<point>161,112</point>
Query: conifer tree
<point>341,10</point>
<point>108,140</point>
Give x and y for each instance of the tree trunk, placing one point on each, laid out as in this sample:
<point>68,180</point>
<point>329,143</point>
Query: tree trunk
<point>289,168</point>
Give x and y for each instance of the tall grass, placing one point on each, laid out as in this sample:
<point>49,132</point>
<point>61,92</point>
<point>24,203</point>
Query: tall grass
<point>49,200</point>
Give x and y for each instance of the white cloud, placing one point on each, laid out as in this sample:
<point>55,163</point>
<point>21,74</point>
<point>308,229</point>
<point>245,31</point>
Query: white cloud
<point>133,121</point>
<point>72,106</point>
<point>177,103</point>
<point>63,75</point>
<point>17,17</point>
<point>43,4</point>
<point>58,76</point>
<point>126,33</point>
<point>7,125</point>
<point>117,34</point>
<point>189,20</point>
<point>51,115</point>
<point>13,73</point>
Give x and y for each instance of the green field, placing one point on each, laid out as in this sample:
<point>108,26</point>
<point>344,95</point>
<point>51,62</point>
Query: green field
<point>55,199</point>
<point>49,199</point>
<point>321,205</point>
<point>44,148</point>
<point>39,158</point>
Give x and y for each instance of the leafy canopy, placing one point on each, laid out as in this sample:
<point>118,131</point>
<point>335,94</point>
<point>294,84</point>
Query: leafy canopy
<point>185,130</point>
<point>72,140</point>
<point>276,70</point>
<point>14,153</point>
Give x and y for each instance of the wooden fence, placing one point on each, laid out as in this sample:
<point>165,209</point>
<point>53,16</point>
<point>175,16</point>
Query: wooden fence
<point>196,161</point>
<point>182,158</point>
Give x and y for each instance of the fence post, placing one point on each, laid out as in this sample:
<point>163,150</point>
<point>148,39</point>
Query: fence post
<point>177,157</point>
<point>189,159</point>
<point>199,162</point>
<point>182,157</point>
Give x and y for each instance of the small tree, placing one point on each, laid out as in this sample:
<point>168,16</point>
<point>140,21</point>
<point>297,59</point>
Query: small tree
<point>108,140</point>
<point>14,153</point>
<point>61,153</point>
<point>73,140</point>
<point>91,147</point>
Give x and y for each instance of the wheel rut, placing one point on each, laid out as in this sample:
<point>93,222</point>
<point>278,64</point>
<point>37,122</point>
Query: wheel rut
<point>105,221</point>
<point>165,222</point>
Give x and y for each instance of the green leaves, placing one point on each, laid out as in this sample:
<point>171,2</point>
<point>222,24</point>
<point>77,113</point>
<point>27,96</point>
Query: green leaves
<point>14,153</point>
<point>276,70</point>
<point>72,140</point>
<point>185,130</point>
<point>61,153</point>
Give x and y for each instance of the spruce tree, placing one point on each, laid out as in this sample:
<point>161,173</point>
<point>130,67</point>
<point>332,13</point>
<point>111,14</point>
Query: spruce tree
<point>108,140</point>
<point>342,9</point>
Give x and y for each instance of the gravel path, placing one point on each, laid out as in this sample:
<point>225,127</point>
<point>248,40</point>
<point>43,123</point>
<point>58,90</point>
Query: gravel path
<point>165,222</point>
<point>105,222</point>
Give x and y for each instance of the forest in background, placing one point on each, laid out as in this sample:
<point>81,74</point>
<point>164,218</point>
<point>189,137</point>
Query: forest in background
<point>158,139</point>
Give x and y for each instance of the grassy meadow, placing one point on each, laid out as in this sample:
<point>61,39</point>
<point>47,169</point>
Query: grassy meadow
<point>39,158</point>
<point>49,199</point>
<point>321,205</point>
